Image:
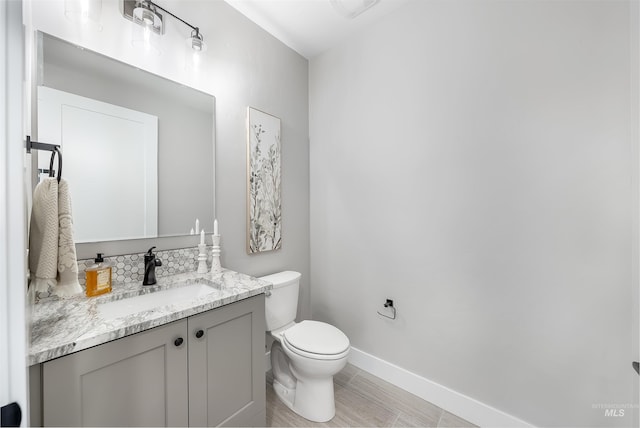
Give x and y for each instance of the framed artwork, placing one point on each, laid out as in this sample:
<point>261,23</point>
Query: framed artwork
<point>264,198</point>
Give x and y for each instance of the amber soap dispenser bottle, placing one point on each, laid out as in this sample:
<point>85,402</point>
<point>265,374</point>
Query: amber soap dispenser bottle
<point>98,277</point>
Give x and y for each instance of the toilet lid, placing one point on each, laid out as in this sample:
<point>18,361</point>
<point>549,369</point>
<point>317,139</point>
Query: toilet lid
<point>317,337</point>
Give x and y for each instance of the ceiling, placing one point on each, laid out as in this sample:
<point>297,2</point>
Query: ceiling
<point>312,26</point>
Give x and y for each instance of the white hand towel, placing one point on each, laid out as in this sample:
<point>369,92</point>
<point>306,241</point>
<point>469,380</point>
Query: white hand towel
<point>52,255</point>
<point>43,236</point>
<point>68,284</point>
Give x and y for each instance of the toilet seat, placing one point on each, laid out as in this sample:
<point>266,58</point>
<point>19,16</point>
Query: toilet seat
<point>317,340</point>
<point>312,356</point>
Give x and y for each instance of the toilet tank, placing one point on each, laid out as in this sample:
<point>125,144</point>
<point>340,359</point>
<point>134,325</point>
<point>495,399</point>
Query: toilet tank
<point>282,305</point>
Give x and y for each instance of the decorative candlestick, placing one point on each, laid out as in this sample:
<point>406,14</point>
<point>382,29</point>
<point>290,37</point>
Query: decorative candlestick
<point>215,262</point>
<point>202,258</point>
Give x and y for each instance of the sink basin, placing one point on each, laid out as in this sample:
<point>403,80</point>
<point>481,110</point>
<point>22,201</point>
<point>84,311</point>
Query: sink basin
<point>132,305</point>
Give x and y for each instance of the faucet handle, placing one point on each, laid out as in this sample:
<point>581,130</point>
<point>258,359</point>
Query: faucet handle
<point>152,257</point>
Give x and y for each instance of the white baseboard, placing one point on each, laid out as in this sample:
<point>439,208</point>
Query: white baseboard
<point>453,402</point>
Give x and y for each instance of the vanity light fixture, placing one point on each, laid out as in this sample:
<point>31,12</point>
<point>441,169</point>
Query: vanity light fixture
<point>196,41</point>
<point>144,14</point>
<point>146,25</point>
<point>194,49</point>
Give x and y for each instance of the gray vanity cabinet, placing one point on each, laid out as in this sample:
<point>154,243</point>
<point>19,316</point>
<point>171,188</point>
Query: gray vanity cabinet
<point>213,376</point>
<point>226,366</point>
<point>137,380</point>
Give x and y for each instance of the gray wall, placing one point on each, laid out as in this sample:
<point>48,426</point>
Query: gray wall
<point>254,69</point>
<point>476,161</point>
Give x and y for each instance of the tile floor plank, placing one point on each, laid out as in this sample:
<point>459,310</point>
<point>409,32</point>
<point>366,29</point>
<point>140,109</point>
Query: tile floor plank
<point>452,421</point>
<point>385,394</point>
<point>364,400</point>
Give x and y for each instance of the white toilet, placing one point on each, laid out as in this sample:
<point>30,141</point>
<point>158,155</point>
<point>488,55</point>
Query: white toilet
<point>305,355</point>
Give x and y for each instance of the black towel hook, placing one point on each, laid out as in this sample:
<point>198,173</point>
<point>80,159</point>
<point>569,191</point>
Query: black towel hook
<point>53,155</point>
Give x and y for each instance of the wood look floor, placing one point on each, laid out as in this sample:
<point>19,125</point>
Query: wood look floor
<point>363,400</point>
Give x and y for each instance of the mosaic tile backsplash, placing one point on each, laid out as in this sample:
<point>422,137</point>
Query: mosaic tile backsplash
<point>130,267</point>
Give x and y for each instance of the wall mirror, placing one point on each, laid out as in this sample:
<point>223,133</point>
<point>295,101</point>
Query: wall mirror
<point>138,149</point>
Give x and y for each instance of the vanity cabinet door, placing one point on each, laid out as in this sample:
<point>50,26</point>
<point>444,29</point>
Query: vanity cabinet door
<point>139,380</point>
<point>226,365</point>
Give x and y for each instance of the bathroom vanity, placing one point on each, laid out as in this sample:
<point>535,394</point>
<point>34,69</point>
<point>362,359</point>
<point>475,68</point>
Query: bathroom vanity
<point>122,360</point>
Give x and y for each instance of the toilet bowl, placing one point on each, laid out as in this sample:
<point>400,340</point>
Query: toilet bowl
<point>304,356</point>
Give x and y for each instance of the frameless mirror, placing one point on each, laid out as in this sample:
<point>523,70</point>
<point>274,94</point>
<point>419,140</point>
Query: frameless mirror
<point>138,149</point>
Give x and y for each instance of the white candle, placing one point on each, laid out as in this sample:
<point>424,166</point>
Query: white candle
<point>197,226</point>
<point>192,232</point>
<point>215,227</point>
<point>202,237</point>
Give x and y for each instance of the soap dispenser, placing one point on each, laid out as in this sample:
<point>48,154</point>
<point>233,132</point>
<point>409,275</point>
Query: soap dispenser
<point>98,277</point>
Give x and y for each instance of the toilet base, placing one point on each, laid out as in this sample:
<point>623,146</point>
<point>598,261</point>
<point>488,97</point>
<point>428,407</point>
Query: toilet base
<point>313,399</point>
<point>302,399</point>
<point>285,394</point>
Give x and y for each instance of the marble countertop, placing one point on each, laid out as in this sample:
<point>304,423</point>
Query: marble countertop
<point>61,327</point>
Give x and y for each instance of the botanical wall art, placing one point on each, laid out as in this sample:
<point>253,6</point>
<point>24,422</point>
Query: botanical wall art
<point>264,200</point>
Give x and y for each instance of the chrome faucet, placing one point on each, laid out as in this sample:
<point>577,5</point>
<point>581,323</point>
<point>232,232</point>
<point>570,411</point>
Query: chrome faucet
<point>150,263</point>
